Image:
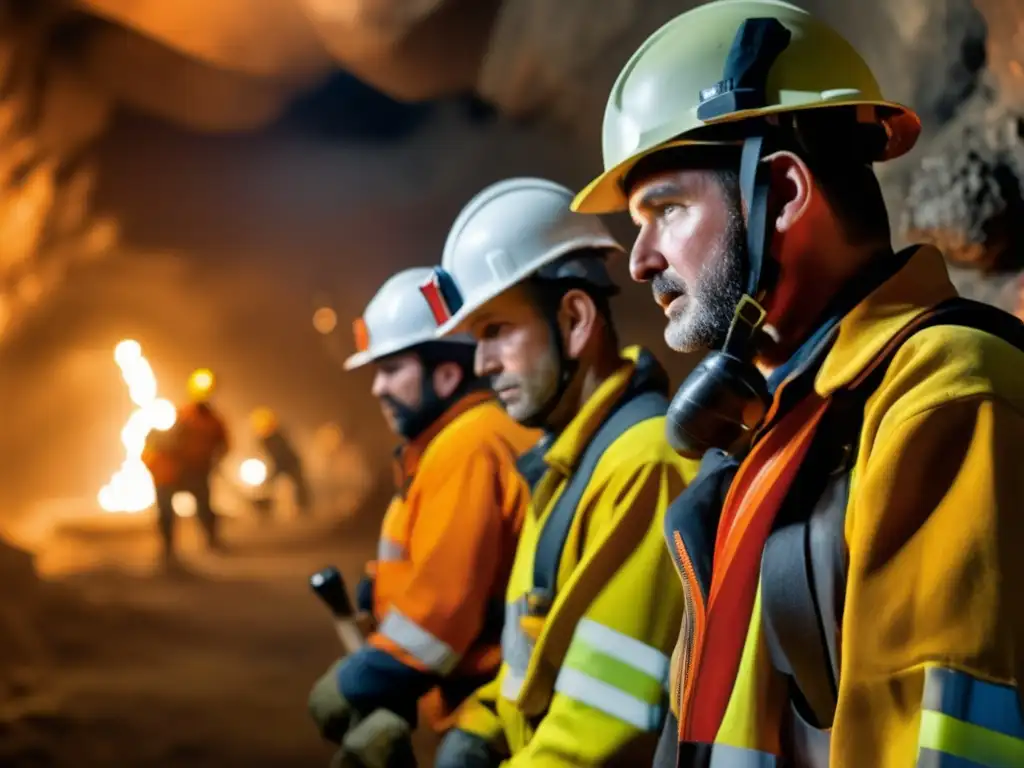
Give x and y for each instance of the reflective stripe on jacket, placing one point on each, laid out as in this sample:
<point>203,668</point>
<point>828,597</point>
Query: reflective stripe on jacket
<point>932,630</point>
<point>586,685</point>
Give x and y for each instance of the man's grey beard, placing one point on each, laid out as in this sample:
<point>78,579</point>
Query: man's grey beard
<point>714,296</point>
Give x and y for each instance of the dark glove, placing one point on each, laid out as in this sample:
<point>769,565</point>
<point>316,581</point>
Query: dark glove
<point>462,749</point>
<point>380,740</point>
<point>328,707</point>
<point>364,594</point>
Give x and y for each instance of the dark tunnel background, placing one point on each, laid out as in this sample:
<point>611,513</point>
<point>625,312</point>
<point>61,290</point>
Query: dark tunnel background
<point>230,243</point>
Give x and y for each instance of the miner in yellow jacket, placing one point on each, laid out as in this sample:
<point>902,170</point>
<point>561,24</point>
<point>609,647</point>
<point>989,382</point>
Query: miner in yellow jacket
<point>435,591</point>
<point>593,606</point>
<point>853,542</point>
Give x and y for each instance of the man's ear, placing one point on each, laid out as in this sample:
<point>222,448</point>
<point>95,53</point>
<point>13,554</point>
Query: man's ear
<point>792,190</point>
<point>577,316</point>
<point>446,379</point>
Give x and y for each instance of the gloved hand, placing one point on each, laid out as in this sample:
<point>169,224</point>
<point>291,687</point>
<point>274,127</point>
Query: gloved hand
<point>366,623</point>
<point>462,749</point>
<point>328,708</point>
<point>381,740</point>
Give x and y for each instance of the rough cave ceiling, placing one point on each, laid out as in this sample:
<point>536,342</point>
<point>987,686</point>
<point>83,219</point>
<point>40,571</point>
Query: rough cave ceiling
<point>237,65</point>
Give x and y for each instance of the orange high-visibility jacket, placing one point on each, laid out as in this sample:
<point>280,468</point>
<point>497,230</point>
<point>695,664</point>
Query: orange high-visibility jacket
<point>446,549</point>
<point>202,437</point>
<point>198,439</point>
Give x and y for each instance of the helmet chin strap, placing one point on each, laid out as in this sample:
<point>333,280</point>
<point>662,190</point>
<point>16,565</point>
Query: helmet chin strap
<point>724,398</point>
<point>755,182</point>
<point>566,373</point>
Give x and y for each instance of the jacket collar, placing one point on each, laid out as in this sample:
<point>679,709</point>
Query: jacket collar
<point>861,335</point>
<point>568,447</point>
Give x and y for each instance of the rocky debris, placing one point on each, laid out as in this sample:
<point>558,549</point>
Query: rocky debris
<point>965,196</point>
<point>1018,305</point>
<point>26,601</point>
<point>963,188</point>
<point>1004,48</point>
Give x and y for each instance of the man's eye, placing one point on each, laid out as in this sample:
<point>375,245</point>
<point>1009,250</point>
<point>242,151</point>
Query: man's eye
<point>492,330</point>
<point>668,209</point>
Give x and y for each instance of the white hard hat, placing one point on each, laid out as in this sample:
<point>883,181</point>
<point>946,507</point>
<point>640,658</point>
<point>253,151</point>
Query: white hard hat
<point>506,233</point>
<point>398,317</point>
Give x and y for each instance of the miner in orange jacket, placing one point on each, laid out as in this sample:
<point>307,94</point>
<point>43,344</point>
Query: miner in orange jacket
<point>437,588</point>
<point>183,458</point>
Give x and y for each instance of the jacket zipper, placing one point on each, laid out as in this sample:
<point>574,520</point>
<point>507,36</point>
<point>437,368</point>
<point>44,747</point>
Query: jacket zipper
<point>694,644</point>
<point>692,630</point>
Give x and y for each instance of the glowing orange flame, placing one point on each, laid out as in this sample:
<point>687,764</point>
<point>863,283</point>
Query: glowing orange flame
<point>131,487</point>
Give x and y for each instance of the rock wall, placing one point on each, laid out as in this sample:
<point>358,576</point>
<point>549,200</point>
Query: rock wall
<point>233,66</point>
<point>50,113</point>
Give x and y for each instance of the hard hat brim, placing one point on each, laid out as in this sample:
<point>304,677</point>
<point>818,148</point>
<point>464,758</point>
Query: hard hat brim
<point>605,194</point>
<point>362,359</point>
<point>459,322</point>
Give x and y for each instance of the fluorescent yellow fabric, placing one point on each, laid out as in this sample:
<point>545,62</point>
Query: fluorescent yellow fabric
<point>934,524</point>
<point>616,575</point>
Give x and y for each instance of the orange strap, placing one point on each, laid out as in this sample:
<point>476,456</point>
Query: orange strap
<point>757,493</point>
<point>754,499</point>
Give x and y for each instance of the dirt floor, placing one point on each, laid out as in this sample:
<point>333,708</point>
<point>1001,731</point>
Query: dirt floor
<point>105,662</point>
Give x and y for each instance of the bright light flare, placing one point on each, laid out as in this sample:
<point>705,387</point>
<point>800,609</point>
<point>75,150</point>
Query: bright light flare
<point>253,472</point>
<point>130,489</point>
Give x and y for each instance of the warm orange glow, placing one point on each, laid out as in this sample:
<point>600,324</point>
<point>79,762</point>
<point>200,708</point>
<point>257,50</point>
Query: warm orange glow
<point>131,490</point>
<point>325,320</point>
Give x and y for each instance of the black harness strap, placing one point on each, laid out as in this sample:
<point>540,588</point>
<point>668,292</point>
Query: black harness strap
<point>644,406</point>
<point>803,567</point>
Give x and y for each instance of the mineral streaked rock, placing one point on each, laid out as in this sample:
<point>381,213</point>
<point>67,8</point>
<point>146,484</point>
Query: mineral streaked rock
<point>155,79</point>
<point>965,197</point>
<point>269,38</point>
<point>1005,48</point>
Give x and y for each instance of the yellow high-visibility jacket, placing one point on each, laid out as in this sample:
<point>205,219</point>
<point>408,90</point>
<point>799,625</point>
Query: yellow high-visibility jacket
<point>931,636</point>
<point>594,690</point>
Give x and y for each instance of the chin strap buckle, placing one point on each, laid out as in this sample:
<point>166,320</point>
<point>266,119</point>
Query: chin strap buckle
<point>747,322</point>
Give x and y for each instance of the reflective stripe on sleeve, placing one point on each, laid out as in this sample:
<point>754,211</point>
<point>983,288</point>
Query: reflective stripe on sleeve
<point>516,649</point>
<point>616,674</point>
<point>390,551</point>
<point>433,653</point>
<point>511,684</point>
<point>726,756</point>
<point>966,722</point>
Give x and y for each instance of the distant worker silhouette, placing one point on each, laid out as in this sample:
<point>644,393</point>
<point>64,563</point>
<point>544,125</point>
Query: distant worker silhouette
<point>282,457</point>
<point>183,459</point>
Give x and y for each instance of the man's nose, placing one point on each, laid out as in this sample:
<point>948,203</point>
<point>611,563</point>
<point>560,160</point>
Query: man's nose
<point>485,361</point>
<point>645,260</point>
<point>380,385</point>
